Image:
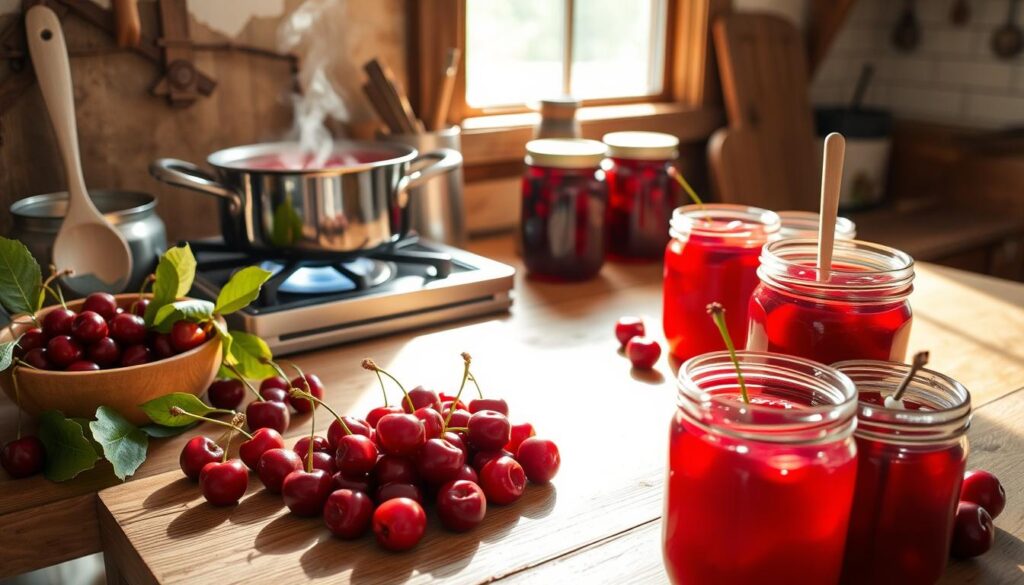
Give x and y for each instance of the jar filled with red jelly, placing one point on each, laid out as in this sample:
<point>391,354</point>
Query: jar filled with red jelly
<point>861,311</point>
<point>910,465</point>
<point>565,197</point>
<point>759,492</point>
<point>712,257</point>
<point>804,224</point>
<point>641,195</point>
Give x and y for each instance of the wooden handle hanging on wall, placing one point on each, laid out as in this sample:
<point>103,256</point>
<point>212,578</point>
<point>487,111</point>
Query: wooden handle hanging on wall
<point>127,23</point>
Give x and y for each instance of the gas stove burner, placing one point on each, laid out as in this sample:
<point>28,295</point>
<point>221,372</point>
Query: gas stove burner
<point>331,278</point>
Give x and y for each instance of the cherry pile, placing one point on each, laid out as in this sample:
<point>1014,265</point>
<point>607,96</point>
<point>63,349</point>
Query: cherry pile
<point>381,470</point>
<point>982,499</point>
<point>103,336</point>
<point>643,352</point>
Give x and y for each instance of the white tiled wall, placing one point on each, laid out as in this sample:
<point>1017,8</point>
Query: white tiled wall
<point>951,77</point>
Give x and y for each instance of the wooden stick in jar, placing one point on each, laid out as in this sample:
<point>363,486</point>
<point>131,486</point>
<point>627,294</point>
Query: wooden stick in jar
<point>831,183</point>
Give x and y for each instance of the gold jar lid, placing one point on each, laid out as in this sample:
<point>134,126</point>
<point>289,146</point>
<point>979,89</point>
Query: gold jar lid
<point>565,153</point>
<point>642,145</point>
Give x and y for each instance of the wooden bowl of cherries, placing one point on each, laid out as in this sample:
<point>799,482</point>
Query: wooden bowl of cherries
<point>98,351</point>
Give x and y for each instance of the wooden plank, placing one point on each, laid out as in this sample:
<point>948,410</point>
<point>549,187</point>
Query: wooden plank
<point>635,556</point>
<point>41,536</point>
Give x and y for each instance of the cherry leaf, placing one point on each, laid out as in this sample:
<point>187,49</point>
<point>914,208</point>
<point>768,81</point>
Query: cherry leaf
<point>7,354</point>
<point>194,310</point>
<point>68,450</point>
<point>124,444</point>
<point>251,355</point>
<point>159,409</point>
<point>21,283</point>
<point>242,289</point>
<point>161,432</point>
<point>174,275</point>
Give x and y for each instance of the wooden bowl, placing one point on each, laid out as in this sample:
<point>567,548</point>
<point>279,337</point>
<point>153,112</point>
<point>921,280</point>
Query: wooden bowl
<point>79,394</point>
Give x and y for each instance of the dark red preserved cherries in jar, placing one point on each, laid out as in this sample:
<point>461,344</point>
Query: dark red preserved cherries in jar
<point>641,195</point>
<point>562,228</point>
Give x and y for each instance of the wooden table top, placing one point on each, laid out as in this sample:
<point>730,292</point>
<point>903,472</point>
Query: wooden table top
<point>554,359</point>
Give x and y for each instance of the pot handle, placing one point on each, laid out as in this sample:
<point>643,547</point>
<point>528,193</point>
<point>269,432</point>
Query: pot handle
<point>448,160</point>
<point>182,173</point>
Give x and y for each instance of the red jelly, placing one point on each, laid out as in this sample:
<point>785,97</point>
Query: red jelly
<point>712,257</point>
<point>641,195</point>
<point>910,464</point>
<point>760,492</point>
<point>564,201</point>
<point>860,312</point>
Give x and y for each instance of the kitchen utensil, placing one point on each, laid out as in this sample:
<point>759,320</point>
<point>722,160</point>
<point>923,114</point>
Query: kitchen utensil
<point>907,34</point>
<point>79,394</point>
<point>444,90</point>
<point>960,13</point>
<point>867,72</point>
<point>126,23</point>
<point>435,207</point>
<point>96,252</point>
<point>1008,40</point>
<point>395,99</point>
<point>831,183</point>
<point>379,104</point>
<point>38,218</point>
<point>357,201</point>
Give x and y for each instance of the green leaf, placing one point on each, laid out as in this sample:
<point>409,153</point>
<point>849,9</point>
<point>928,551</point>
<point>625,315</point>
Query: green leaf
<point>193,310</point>
<point>226,340</point>
<point>161,432</point>
<point>159,409</point>
<point>174,275</point>
<point>124,444</point>
<point>68,451</point>
<point>241,289</point>
<point>252,355</point>
<point>7,354</point>
<point>21,282</point>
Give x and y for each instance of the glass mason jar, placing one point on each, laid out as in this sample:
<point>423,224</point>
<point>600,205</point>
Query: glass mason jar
<point>564,200</point>
<point>759,492</point>
<point>712,257</point>
<point>910,464</point>
<point>860,312</point>
<point>641,195</point>
<point>804,224</point>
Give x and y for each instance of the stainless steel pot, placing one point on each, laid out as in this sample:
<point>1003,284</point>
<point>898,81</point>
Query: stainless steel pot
<point>360,202</point>
<point>37,219</point>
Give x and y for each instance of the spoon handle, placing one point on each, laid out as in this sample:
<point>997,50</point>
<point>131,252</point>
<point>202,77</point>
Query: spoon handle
<point>53,70</point>
<point>831,184</point>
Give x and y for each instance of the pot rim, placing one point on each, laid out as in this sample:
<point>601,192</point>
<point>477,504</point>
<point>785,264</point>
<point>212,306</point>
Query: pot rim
<point>17,208</point>
<point>227,158</point>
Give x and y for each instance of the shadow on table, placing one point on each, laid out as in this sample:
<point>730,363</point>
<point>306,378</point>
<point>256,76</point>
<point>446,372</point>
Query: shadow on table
<point>196,520</point>
<point>178,492</point>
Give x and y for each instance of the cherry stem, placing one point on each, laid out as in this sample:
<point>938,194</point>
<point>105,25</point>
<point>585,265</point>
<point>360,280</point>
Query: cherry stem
<point>56,293</point>
<point>382,390</point>
<point>920,361</point>
<point>465,376</point>
<point>308,395</point>
<point>178,411</point>
<point>145,284</point>
<point>227,446</point>
<point>479,392</point>
<point>17,395</point>
<point>717,313</point>
<point>234,370</point>
<point>369,364</point>
<point>678,176</point>
<point>457,429</point>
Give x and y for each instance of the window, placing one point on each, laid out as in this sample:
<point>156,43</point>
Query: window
<point>521,51</point>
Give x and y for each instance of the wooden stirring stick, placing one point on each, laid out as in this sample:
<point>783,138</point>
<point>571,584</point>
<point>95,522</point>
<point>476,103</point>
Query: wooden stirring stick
<point>444,93</point>
<point>831,182</point>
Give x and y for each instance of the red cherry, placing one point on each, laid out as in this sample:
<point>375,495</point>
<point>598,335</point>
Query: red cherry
<point>324,462</point>
<point>983,488</point>
<point>421,398</point>
<point>23,457</point>
<point>135,355</point>
<point>503,480</point>
<point>186,335</point>
<point>447,400</point>
<point>58,322</point>
<point>539,458</point>
<point>439,461</point>
<point>262,440</point>
<point>275,465</point>
<point>375,415</point>
<point>390,491</point>
<point>467,473</point>
<point>223,484</point>
<point>400,434</point>
<point>309,383</point>
<point>643,352</point>
<point>162,346</point>
<point>88,327</point>
<point>481,458</point>
<point>356,455</point>
<point>347,513</point>
<point>356,483</point>
<point>196,454</point>
<point>274,395</point>
<point>62,350</point>
<point>495,404</point>
<point>267,414</point>
<point>358,426</point>
<point>227,394</point>
<point>489,430</point>
<point>520,433</point>
<point>395,469</point>
<point>104,352</point>
<point>399,524</point>
<point>456,439</point>
<point>82,366</point>
<point>460,419</point>
<point>461,505</point>
<point>274,382</point>
<point>104,304</point>
<point>127,329</point>
<point>433,422</point>
<point>37,359</point>
<point>320,445</point>
<point>138,307</point>
<point>627,328</point>
<point>973,532</point>
<point>304,492</point>
<point>33,338</point>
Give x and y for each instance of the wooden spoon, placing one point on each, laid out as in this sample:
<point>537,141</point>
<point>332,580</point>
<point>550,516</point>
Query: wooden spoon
<point>831,183</point>
<point>87,244</point>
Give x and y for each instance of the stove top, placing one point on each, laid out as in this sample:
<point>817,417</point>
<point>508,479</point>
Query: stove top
<point>314,300</point>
